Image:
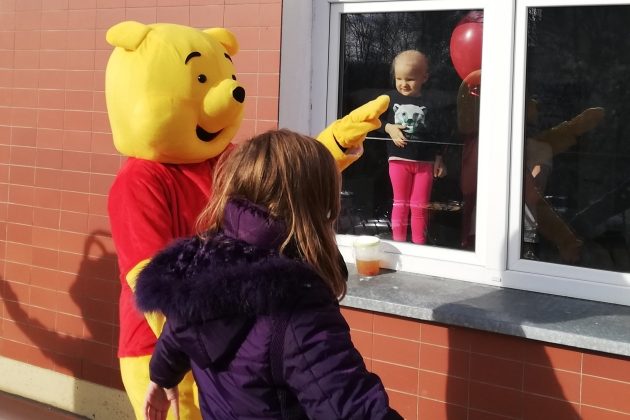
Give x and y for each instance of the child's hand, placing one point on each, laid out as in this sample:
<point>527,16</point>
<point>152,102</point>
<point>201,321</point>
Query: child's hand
<point>396,134</point>
<point>439,168</point>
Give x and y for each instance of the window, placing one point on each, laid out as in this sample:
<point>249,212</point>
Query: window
<point>533,143</point>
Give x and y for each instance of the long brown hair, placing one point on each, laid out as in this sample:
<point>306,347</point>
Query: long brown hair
<point>296,179</point>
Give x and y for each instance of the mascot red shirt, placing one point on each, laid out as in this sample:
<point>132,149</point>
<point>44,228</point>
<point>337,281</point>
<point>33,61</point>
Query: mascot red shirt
<point>174,104</point>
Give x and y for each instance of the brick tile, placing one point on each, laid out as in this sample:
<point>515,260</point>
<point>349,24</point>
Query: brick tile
<point>19,214</point>
<point>537,407</point>
<point>443,388</point>
<point>271,15</point>
<point>48,178</point>
<point>441,335</point>
<point>48,118</point>
<point>15,272</point>
<point>69,304</point>
<point>146,15</point>
<point>496,400</point>
<point>267,108</point>
<point>43,298</point>
<point>25,98</point>
<point>246,62</point>
<point>604,393</point>
<point>26,60</point>
<point>45,277</point>
<point>242,15</point>
<point>55,40</point>
<point>437,410</point>
<point>269,62</point>
<point>210,16</point>
<point>54,20</point>
<point>397,378</point>
<point>22,234</point>
<point>143,3</point>
<point>98,205</point>
<point>45,238</point>
<point>395,350</point>
<point>54,4</point>
<point>481,415</point>
<point>79,100</point>
<point>52,98</point>
<point>75,161</point>
<point>397,327</point>
<point>100,122</point>
<point>74,222</point>
<point>78,141</point>
<point>405,404</point>
<point>262,126</point>
<point>358,319</point>
<point>498,345</point>
<point>70,325</point>
<point>363,342</point>
<point>607,366</point>
<point>82,19</point>
<point>28,79</point>
<point>248,37</point>
<point>44,257</point>
<point>496,371</point>
<point>22,179</point>
<point>594,413</point>
<point>550,383</point>
<point>46,217</point>
<point>174,14</point>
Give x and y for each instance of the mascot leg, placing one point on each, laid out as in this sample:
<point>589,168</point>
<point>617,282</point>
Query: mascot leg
<point>135,377</point>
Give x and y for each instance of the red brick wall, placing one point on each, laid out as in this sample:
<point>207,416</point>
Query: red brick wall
<point>438,372</point>
<point>58,275</point>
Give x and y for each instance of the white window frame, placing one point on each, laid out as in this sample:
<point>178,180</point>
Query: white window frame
<point>308,102</point>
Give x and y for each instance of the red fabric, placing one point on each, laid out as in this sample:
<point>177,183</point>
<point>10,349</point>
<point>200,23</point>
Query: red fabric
<point>150,204</point>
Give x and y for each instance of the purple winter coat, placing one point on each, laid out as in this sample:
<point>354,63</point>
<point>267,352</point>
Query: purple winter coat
<point>225,298</point>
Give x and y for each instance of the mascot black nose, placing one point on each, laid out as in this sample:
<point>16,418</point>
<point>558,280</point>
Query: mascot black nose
<point>239,94</point>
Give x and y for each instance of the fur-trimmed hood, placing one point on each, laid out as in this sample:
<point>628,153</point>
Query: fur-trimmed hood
<point>201,279</point>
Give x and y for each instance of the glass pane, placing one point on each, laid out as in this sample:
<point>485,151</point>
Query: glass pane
<point>416,180</point>
<point>576,180</point>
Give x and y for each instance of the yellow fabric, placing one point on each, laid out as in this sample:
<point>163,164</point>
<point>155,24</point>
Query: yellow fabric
<point>350,131</point>
<point>135,376</point>
<point>155,319</point>
<point>159,95</point>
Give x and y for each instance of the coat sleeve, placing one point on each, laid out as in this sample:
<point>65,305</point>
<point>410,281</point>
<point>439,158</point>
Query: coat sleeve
<point>169,364</point>
<point>326,373</point>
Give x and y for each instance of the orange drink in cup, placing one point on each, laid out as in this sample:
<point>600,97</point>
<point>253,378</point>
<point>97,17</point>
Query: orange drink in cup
<point>367,254</point>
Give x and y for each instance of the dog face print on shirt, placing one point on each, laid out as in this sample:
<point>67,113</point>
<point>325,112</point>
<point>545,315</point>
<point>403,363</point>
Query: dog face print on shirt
<point>409,115</point>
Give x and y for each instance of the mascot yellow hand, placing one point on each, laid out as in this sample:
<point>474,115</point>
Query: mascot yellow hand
<point>344,137</point>
<point>156,320</point>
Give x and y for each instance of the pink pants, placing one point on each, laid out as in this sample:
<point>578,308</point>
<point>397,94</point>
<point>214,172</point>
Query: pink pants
<point>411,184</point>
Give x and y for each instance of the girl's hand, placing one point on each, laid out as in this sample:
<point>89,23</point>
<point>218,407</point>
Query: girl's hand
<point>159,400</point>
<point>395,132</point>
<point>439,168</point>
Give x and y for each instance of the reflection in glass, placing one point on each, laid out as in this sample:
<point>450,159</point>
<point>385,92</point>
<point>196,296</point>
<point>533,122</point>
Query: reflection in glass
<point>416,180</point>
<point>576,179</point>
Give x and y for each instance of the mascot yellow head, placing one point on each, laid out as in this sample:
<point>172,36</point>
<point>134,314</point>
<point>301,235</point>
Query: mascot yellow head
<point>171,91</point>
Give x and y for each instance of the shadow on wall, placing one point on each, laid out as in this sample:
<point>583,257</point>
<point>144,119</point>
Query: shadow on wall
<point>82,344</point>
<point>510,377</point>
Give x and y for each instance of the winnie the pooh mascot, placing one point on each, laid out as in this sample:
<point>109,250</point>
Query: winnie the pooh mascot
<point>174,104</point>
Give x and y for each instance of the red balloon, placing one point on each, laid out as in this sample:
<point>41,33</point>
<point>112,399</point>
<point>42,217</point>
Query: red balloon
<point>466,41</point>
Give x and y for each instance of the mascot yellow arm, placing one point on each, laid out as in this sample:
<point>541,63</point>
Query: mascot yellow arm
<point>344,137</point>
<point>156,320</point>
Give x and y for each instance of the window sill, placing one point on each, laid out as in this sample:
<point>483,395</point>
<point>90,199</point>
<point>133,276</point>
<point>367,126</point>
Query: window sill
<point>583,324</point>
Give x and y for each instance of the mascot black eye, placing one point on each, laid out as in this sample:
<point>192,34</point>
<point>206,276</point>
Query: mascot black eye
<point>202,78</point>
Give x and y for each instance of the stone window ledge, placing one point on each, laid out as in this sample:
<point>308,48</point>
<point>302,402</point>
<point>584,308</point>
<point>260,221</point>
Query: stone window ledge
<point>589,325</point>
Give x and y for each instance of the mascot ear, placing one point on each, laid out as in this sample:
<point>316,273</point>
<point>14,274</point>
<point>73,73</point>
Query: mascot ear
<point>128,35</point>
<point>225,37</point>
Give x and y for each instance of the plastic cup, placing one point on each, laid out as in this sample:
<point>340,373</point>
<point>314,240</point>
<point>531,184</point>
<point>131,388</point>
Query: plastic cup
<point>367,255</point>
